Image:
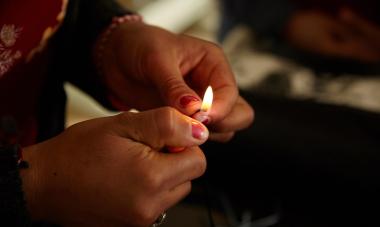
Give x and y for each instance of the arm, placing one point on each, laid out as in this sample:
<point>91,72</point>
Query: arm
<point>147,67</point>
<point>74,44</point>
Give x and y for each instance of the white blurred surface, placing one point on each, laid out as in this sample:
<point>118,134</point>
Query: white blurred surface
<point>175,15</point>
<point>81,107</point>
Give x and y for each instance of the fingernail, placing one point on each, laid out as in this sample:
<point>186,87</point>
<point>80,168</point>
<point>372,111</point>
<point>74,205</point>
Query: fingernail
<point>199,132</point>
<point>201,117</point>
<point>186,100</point>
<point>206,121</point>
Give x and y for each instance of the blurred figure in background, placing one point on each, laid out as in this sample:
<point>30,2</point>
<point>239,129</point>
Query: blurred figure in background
<point>336,29</point>
<point>312,68</point>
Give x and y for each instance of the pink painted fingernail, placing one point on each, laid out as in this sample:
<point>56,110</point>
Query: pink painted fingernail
<point>198,131</point>
<point>186,100</point>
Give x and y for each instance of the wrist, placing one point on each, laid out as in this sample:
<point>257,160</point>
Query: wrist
<point>32,183</point>
<point>104,44</point>
<point>105,54</point>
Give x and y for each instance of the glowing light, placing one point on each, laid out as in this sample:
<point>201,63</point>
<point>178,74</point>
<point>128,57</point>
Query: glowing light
<point>207,100</point>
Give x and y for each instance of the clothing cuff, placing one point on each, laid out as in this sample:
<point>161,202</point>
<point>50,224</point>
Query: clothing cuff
<point>13,209</point>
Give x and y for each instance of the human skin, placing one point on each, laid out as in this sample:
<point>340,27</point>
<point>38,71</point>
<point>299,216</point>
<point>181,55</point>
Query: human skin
<point>112,172</point>
<point>346,35</point>
<point>147,67</point>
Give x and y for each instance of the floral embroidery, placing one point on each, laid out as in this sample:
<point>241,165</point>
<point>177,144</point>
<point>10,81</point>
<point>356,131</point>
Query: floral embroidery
<point>9,34</point>
<point>8,38</point>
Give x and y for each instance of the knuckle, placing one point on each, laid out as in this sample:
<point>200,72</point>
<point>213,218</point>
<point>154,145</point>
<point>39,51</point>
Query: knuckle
<point>124,118</point>
<point>165,119</point>
<point>144,213</point>
<point>152,58</point>
<point>152,180</point>
<point>200,163</point>
<point>218,51</point>
<point>172,86</point>
<point>214,47</point>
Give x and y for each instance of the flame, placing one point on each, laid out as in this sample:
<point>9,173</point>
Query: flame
<point>207,100</point>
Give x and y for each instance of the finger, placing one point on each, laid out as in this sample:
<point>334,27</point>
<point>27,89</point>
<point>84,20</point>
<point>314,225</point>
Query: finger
<point>213,70</point>
<point>161,127</point>
<point>342,42</point>
<point>348,45</point>
<point>168,171</point>
<point>240,117</point>
<point>165,200</point>
<point>171,197</point>
<point>154,204</point>
<point>353,49</point>
<point>178,168</point>
<point>222,137</point>
<point>168,78</point>
<point>365,27</point>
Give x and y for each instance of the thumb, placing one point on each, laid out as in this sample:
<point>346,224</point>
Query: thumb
<point>172,87</point>
<point>161,127</point>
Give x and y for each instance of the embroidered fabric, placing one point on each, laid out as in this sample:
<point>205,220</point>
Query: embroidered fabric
<point>23,32</point>
<point>8,55</point>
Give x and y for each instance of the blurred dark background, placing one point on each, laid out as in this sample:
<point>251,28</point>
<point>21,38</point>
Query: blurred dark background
<point>311,71</point>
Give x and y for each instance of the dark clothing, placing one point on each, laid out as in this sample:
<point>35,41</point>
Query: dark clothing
<point>67,58</point>
<point>311,164</point>
<point>71,55</point>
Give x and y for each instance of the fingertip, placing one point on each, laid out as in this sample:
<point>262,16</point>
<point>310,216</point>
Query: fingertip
<point>188,100</point>
<point>178,130</point>
<point>202,117</point>
<point>222,137</point>
<point>223,104</point>
<point>189,103</point>
<point>199,131</point>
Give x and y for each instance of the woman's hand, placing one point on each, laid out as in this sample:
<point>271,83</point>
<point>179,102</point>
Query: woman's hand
<point>147,67</point>
<point>368,31</point>
<point>345,36</point>
<point>109,171</point>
